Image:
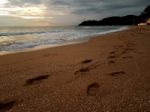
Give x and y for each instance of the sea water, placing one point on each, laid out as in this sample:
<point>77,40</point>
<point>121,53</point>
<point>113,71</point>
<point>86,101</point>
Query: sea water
<point>18,39</point>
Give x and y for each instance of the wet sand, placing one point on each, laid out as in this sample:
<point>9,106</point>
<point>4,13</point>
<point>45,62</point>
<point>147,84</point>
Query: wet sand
<point>110,73</point>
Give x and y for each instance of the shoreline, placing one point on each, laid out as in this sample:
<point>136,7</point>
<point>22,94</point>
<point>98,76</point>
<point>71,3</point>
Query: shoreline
<point>78,41</point>
<point>108,73</point>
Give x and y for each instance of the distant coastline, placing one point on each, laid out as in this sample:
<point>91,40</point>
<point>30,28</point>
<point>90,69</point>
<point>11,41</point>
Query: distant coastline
<point>144,17</point>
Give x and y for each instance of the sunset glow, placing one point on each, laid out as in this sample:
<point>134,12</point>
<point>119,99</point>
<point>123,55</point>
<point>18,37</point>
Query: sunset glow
<point>35,11</point>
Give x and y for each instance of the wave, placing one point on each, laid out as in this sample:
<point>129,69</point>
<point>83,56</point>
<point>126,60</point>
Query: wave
<point>27,39</point>
<point>19,33</point>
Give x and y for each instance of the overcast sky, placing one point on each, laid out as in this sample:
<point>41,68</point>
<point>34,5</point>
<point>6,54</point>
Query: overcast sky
<point>64,12</point>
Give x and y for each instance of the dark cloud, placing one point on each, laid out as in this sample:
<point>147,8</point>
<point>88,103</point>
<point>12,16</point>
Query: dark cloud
<point>94,6</point>
<point>109,6</point>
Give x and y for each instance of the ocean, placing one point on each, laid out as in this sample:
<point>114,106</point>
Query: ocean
<point>18,39</point>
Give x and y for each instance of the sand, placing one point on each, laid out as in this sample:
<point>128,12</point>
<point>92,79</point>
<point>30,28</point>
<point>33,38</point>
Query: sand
<point>109,73</point>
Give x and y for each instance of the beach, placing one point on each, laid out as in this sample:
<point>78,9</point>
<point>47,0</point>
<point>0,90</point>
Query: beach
<point>108,73</point>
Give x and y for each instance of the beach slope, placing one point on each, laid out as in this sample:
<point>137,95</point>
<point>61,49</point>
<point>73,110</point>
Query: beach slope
<point>109,73</point>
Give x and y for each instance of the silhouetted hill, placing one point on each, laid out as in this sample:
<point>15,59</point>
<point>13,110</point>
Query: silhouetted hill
<point>116,20</point>
<point>144,15</point>
<point>126,20</point>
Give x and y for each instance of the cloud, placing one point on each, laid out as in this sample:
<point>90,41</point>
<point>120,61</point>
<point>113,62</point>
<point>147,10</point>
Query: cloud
<point>70,11</point>
<point>107,6</point>
<point>80,6</point>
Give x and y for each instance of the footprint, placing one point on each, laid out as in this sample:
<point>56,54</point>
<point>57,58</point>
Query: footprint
<point>36,79</point>
<point>124,52</point>
<point>112,52</point>
<point>111,61</point>
<point>6,105</point>
<point>116,73</point>
<point>92,89</point>
<point>83,70</point>
<point>111,57</point>
<point>86,61</point>
<point>127,57</point>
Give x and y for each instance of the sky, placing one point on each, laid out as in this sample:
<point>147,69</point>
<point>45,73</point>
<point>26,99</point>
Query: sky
<point>64,12</point>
